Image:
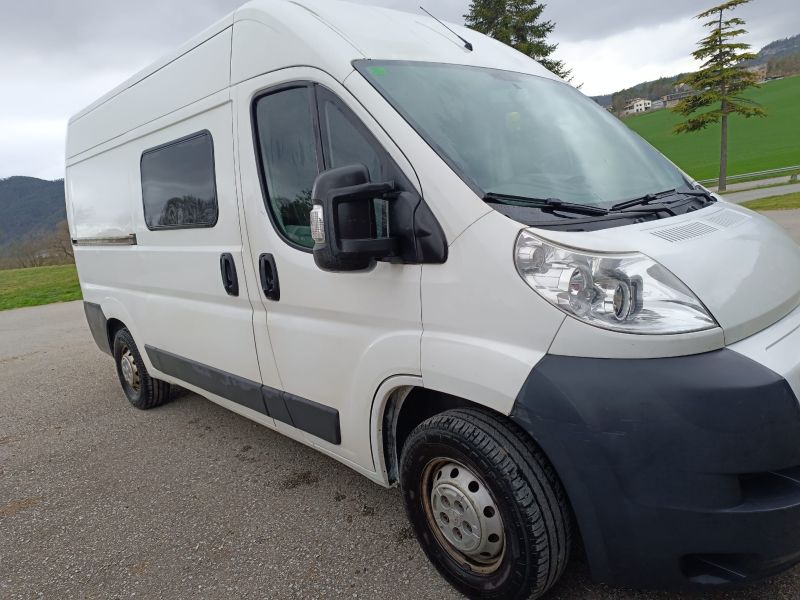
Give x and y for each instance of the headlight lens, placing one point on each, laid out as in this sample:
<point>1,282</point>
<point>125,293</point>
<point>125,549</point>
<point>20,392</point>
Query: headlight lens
<point>622,292</point>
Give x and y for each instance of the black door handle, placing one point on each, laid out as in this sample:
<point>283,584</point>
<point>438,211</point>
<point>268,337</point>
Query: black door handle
<point>269,277</point>
<point>230,281</point>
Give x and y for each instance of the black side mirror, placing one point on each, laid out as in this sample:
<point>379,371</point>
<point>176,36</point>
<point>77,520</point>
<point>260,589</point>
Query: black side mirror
<point>344,223</point>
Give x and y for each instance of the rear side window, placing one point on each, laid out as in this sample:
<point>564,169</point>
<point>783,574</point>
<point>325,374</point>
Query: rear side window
<point>179,188</point>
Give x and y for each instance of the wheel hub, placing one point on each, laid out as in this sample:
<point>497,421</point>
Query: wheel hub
<point>130,371</point>
<point>465,513</point>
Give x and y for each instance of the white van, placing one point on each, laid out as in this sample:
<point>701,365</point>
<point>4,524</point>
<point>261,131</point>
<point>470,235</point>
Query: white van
<point>421,253</point>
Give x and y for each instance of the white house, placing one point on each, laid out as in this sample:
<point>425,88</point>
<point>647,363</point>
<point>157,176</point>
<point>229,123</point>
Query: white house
<point>637,105</point>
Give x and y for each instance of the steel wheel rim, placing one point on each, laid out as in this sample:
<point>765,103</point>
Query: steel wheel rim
<point>129,369</point>
<point>463,515</point>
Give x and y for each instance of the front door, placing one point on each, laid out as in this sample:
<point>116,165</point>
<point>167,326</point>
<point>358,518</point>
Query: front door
<point>335,336</point>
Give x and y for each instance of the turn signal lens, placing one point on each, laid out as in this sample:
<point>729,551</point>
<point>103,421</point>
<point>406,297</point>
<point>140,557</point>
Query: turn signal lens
<point>317,224</point>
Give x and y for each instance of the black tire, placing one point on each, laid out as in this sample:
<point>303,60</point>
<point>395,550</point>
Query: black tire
<point>536,518</point>
<point>142,391</point>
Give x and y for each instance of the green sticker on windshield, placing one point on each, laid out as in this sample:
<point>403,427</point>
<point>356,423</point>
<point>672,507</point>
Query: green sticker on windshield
<point>378,71</point>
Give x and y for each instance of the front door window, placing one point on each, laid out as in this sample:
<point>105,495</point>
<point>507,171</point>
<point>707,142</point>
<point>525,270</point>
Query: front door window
<point>287,145</point>
<point>292,154</point>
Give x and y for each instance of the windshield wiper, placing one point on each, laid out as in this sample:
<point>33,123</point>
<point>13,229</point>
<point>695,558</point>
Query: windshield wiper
<point>700,194</point>
<point>648,198</point>
<point>643,200</point>
<point>552,203</point>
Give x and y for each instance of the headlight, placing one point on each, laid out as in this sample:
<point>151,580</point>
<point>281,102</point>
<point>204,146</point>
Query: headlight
<point>622,292</point>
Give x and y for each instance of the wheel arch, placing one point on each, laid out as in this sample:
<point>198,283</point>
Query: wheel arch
<point>105,317</point>
<point>113,325</point>
<point>400,405</point>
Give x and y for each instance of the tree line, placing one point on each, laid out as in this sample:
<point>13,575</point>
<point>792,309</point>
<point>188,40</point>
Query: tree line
<point>44,248</point>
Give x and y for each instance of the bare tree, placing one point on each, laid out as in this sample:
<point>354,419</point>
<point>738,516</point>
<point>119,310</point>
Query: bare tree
<point>60,243</point>
<point>52,247</point>
<point>27,253</point>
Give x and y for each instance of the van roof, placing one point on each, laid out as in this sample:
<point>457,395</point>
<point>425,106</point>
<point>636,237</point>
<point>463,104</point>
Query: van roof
<point>369,32</point>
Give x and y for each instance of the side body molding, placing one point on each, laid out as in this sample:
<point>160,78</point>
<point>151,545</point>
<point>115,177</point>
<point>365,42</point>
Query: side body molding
<point>314,418</point>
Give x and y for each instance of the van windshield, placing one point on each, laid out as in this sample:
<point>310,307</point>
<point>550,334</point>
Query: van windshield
<point>514,134</point>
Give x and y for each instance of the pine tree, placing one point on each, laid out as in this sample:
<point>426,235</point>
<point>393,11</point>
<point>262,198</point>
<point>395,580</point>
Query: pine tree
<point>720,81</point>
<point>517,23</point>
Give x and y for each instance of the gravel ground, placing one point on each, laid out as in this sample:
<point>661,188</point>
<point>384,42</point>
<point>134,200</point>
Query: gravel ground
<point>99,500</point>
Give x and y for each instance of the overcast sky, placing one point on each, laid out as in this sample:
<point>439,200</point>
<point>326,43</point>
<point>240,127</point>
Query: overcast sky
<point>57,56</point>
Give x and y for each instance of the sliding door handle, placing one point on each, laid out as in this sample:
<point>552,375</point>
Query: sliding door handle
<point>269,277</point>
<point>230,281</point>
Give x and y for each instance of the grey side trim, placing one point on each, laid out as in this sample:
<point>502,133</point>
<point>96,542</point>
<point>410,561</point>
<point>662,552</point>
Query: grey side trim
<point>124,240</point>
<point>98,325</point>
<point>276,405</point>
<point>316,419</point>
<point>229,386</point>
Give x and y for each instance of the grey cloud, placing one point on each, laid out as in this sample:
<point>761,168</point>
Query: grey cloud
<point>100,32</point>
<point>579,21</point>
<point>58,56</point>
<point>582,20</point>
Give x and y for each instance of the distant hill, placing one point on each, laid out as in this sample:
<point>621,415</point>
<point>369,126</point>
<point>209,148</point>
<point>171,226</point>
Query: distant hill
<point>782,58</point>
<point>778,49</point>
<point>29,206</point>
<point>652,90</point>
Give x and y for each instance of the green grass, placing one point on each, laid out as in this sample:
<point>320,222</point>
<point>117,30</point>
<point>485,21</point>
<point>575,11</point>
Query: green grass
<point>41,285</point>
<point>754,144</point>
<point>775,202</point>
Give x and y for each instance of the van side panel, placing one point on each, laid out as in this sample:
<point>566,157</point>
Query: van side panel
<point>475,345</point>
<point>99,195</point>
<point>167,288</point>
<point>197,74</point>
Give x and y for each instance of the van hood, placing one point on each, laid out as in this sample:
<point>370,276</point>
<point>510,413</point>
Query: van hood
<point>741,265</point>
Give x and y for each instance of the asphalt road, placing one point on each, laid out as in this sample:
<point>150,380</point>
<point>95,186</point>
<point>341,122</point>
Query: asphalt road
<point>99,500</point>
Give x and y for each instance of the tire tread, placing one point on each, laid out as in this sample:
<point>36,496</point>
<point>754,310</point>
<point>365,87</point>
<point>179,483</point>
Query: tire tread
<point>154,392</point>
<point>536,488</point>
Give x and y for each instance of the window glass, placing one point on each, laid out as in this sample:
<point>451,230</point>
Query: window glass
<point>517,134</point>
<point>288,151</point>
<point>178,184</point>
<point>345,145</point>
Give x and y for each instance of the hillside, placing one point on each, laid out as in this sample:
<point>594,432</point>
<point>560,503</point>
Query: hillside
<point>782,58</point>
<point>29,206</point>
<point>754,145</point>
<point>774,53</point>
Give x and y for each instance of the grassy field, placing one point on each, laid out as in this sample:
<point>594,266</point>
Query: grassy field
<point>754,144</point>
<point>775,202</point>
<point>41,285</point>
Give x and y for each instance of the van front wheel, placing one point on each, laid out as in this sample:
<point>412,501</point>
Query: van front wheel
<point>486,505</point>
<point>142,391</point>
